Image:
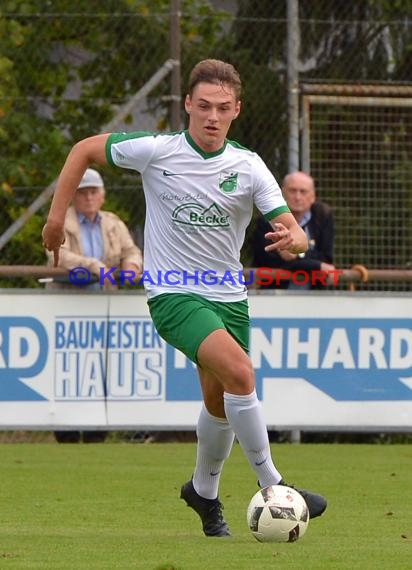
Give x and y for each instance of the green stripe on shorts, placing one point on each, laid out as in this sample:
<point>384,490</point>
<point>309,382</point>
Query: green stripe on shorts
<point>184,320</point>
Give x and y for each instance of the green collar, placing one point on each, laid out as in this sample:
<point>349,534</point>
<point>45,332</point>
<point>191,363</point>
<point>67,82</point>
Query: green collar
<point>202,152</point>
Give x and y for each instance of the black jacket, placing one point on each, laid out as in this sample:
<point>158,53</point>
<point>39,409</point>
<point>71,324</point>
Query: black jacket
<point>322,231</point>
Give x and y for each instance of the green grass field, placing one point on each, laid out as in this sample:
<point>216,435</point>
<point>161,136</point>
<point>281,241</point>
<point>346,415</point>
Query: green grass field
<point>116,506</point>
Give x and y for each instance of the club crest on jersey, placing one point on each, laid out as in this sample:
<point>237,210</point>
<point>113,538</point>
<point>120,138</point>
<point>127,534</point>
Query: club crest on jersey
<point>228,182</point>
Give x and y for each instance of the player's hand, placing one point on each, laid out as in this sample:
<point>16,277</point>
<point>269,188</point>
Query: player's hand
<point>281,238</point>
<point>53,238</point>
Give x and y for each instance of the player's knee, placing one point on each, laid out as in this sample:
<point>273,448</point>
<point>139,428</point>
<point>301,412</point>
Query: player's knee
<point>239,377</point>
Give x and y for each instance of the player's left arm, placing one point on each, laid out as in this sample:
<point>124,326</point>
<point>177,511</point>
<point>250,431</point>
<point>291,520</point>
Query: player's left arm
<point>287,235</point>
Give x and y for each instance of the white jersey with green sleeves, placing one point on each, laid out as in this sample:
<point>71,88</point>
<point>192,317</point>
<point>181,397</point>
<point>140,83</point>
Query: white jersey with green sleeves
<point>198,206</point>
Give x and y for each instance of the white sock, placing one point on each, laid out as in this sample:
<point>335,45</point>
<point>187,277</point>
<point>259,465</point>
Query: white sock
<point>214,443</point>
<point>244,414</point>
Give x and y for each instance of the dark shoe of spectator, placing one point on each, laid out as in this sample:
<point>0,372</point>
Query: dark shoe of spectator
<point>94,436</point>
<point>67,436</point>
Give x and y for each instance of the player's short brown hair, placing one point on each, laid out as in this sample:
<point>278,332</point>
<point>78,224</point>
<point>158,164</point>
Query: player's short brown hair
<point>216,72</point>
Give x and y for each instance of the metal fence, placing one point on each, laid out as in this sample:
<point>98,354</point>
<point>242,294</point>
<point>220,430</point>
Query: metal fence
<point>357,144</point>
<point>68,68</point>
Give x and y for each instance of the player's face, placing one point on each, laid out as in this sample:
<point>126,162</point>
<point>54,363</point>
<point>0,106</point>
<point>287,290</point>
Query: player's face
<point>88,201</point>
<point>299,194</point>
<point>211,109</point>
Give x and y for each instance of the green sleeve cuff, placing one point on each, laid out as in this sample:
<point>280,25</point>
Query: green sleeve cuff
<point>109,141</point>
<point>274,213</point>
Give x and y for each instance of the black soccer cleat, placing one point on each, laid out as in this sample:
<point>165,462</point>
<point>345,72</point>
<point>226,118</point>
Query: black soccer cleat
<point>316,503</point>
<point>209,510</point>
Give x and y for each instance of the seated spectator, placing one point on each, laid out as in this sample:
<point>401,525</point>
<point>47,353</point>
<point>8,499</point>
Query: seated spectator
<point>94,239</point>
<point>316,219</point>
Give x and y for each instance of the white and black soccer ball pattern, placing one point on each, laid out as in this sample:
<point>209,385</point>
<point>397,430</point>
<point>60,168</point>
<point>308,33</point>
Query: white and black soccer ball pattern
<point>277,514</point>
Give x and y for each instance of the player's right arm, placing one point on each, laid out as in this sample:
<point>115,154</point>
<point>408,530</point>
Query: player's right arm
<point>82,155</point>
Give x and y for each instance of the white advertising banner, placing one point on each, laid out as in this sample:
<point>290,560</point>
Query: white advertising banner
<point>329,361</point>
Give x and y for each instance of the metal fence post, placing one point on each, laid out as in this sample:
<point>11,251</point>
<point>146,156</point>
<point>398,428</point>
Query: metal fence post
<point>176,96</point>
<point>293,44</point>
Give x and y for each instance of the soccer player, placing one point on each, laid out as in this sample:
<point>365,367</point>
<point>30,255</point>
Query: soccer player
<point>200,189</point>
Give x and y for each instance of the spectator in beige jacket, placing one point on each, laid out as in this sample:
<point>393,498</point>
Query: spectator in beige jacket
<point>94,239</point>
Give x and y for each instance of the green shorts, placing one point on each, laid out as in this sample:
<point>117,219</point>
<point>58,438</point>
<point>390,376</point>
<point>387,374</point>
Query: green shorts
<point>185,320</point>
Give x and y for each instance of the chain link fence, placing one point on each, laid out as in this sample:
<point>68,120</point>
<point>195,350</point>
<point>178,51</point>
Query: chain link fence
<point>69,68</point>
<point>356,110</point>
<point>358,148</point>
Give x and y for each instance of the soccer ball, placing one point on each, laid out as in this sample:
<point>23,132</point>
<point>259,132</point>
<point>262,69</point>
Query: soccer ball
<point>277,514</point>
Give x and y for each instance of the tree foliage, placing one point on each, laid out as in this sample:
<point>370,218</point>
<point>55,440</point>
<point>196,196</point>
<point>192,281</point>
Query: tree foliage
<point>65,69</point>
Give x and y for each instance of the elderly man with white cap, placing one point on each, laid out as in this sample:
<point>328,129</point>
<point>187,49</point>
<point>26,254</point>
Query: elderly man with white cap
<point>95,239</point>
